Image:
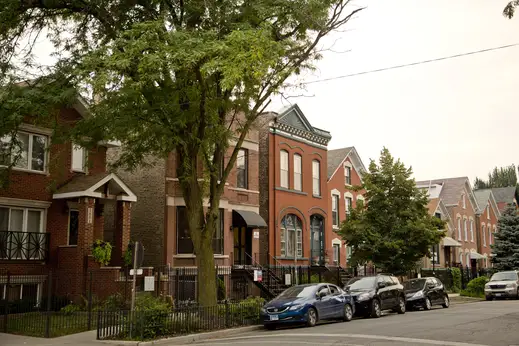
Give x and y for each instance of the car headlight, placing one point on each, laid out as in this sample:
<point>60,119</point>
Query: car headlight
<point>510,286</point>
<point>296,307</point>
<point>363,296</point>
<point>264,310</point>
<point>418,294</point>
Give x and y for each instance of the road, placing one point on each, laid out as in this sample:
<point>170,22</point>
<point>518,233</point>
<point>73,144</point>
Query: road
<point>484,323</point>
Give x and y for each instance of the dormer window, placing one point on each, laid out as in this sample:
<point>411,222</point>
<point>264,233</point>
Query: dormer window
<point>347,175</point>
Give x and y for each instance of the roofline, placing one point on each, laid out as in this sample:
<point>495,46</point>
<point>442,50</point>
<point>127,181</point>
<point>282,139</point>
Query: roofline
<point>359,171</point>
<point>90,192</point>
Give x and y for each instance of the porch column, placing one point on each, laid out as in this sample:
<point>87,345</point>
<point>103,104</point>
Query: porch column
<point>122,231</point>
<point>85,240</point>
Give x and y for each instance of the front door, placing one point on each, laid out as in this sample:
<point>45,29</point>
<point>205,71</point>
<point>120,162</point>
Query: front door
<point>317,239</point>
<point>242,245</point>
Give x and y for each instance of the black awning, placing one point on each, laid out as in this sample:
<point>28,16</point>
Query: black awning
<point>243,218</point>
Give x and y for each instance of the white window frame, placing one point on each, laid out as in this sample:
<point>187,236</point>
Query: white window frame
<point>463,201</point>
<point>471,230</point>
<point>84,158</point>
<point>38,291</point>
<point>465,229</point>
<point>316,177</point>
<point>284,179</point>
<point>488,212</point>
<point>459,227</point>
<point>298,172</point>
<point>484,234</point>
<point>298,237</point>
<point>25,215</point>
<point>7,139</point>
<point>336,253</point>
<point>347,174</point>
<point>348,205</point>
<point>335,209</point>
<point>489,231</point>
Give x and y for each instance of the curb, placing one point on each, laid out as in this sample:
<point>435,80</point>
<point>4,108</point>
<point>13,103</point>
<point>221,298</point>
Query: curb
<point>187,339</point>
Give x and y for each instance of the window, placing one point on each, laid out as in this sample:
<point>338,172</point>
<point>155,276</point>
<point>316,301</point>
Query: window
<point>334,290</point>
<point>218,234</point>
<point>242,162</point>
<point>467,259</point>
<point>21,242</point>
<point>316,178</point>
<point>472,230</point>
<point>184,243</point>
<point>484,231</point>
<point>284,168</point>
<point>29,153</point>
<point>27,292</point>
<point>79,158</point>
<point>73,227</point>
<point>336,253</point>
<point>461,258</point>
<point>465,229</point>
<point>298,176</point>
<point>349,251</point>
<point>459,228</point>
<point>488,211</point>
<point>291,236</point>
<point>347,175</point>
<point>335,210</point>
<point>463,202</point>
<point>348,204</point>
<point>435,254</point>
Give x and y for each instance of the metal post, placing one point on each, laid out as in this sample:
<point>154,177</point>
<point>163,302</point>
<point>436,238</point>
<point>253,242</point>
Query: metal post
<point>49,302</point>
<point>90,303</point>
<point>6,304</point>
<point>134,274</point>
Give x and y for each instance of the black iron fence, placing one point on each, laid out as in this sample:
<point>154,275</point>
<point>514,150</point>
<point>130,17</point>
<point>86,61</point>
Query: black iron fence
<point>466,274</point>
<point>163,322</point>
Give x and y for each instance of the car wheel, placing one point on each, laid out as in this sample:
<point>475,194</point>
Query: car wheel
<point>446,302</point>
<point>270,327</point>
<point>348,313</point>
<point>376,310</point>
<point>401,305</point>
<point>311,317</point>
<point>427,304</point>
<point>488,298</point>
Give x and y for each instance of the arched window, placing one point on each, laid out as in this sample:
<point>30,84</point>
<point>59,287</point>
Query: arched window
<point>459,228</point>
<point>298,172</point>
<point>316,178</point>
<point>317,239</point>
<point>291,236</point>
<point>472,230</point>
<point>465,229</point>
<point>484,236</point>
<point>283,167</point>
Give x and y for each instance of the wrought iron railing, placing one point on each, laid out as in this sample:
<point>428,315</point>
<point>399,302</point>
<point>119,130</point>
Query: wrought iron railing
<point>24,246</point>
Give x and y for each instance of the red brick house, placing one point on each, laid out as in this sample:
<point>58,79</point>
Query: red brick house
<point>487,218</point>
<point>345,169</point>
<point>505,196</point>
<point>52,211</point>
<point>293,189</point>
<point>461,203</point>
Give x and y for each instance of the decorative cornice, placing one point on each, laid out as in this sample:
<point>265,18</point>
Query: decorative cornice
<point>310,136</point>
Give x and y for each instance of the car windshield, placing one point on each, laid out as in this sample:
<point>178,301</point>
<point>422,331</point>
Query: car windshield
<point>504,276</point>
<point>298,292</point>
<point>414,285</point>
<point>362,283</point>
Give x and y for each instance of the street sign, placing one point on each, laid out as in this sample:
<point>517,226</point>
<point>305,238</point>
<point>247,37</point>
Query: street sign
<point>139,272</point>
<point>288,279</point>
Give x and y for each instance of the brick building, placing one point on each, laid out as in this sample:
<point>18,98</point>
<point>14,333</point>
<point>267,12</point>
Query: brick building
<point>344,171</point>
<point>505,196</point>
<point>293,189</point>
<point>462,206</point>
<point>53,210</point>
<point>487,217</point>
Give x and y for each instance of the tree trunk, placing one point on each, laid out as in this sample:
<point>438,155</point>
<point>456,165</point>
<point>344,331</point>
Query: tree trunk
<point>207,289</point>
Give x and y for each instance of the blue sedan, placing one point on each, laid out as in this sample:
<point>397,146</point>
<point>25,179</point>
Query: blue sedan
<point>308,304</point>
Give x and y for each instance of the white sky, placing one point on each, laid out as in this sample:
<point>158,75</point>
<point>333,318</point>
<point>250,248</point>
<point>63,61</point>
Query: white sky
<point>445,119</point>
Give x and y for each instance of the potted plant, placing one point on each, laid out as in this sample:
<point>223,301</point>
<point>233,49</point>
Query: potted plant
<point>102,251</point>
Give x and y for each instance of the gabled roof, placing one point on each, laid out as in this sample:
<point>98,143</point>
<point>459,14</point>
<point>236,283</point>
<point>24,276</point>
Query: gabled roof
<point>504,194</point>
<point>293,121</point>
<point>484,197</point>
<point>337,157</point>
<point>452,189</point>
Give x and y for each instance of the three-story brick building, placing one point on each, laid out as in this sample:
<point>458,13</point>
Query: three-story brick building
<point>487,217</point>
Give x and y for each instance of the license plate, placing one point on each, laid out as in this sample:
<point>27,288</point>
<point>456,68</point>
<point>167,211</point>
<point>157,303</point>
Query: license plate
<point>499,294</point>
<point>274,317</point>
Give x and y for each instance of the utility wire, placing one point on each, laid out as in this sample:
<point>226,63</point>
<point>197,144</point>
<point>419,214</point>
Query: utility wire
<point>412,64</point>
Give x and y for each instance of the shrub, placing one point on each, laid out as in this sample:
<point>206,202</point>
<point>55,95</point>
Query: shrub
<point>102,251</point>
<point>456,279</point>
<point>70,309</point>
<point>151,318</point>
<point>115,302</point>
<point>476,287</point>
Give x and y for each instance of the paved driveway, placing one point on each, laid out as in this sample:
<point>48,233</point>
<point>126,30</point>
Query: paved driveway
<point>485,323</point>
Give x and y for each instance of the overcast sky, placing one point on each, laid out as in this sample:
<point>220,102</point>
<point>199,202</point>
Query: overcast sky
<point>445,119</point>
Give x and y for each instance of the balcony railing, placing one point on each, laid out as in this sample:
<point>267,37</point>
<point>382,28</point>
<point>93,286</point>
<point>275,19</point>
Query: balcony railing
<point>24,246</point>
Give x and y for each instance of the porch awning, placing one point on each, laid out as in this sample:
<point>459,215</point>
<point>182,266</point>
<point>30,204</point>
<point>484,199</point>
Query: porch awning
<point>448,241</point>
<point>476,256</point>
<point>104,185</point>
<point>250,218</point>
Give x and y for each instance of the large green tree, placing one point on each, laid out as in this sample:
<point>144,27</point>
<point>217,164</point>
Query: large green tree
<point>174,75</point>
<point>498,177</point>
<point>393,228</point>
<point>510,8</point>
<point>506,241</point>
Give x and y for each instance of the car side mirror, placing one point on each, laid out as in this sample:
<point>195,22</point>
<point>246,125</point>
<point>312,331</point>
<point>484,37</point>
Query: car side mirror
<point>381,285</point>
<point>430,286</point>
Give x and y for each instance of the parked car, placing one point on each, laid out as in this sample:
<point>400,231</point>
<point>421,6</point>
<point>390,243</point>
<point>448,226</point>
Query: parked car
<point>424,293</point>
<point>308,304</point>
<point>373,294</point>
<point>503,285</point>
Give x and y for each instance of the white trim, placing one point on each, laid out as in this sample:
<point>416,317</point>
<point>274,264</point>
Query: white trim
<point>238,189</point>
<point>247,144</point>
<point>77,194</point>
<point>298,138</point>
<point>28,203</point>
<point>36,129</point>
<point>336,241</point>
<point>359,168</point>
<point>188,255</point>
<point>348,194</point>
<point>178,201</point>
<point>336,193</point>
<point>360,197</point>
<point>348,163</point>
<point>109,144</point>
<point>90,192</point>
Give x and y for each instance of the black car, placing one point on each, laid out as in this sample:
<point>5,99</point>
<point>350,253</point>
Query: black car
<point>424,293</point>
<point>373,294</point>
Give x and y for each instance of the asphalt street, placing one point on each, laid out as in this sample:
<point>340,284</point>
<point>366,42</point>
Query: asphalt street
<point>493,323</point>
